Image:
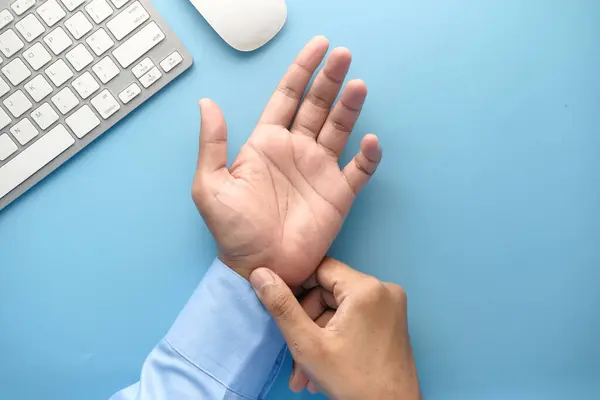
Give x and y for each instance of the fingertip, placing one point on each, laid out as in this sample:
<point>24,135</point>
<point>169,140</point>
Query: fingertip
<point>342,53</point>
<point>320,39</point>
<point>371,148</point>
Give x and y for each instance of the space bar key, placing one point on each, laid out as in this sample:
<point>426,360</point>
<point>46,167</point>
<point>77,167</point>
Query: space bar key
<point>34,158</point>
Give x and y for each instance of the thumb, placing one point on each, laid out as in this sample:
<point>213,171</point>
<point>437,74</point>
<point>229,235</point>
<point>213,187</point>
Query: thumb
<point>213,138</point>
<point>290,317</point>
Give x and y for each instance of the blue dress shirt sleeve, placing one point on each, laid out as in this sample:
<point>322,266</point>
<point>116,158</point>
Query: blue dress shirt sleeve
<point>223,346</point>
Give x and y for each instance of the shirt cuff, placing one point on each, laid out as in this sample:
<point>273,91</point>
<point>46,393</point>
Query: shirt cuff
<point>225,331</point>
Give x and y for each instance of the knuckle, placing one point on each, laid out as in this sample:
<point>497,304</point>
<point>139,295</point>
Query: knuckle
<point>398,293</point>
<point>373,290</point>
<point>318,101</point>
<point>340,126</point>
<point>289,91</point>
<point>280,304</point>
<point>366,166</point>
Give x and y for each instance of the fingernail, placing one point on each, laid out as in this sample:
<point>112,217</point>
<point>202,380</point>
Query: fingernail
<point>261,278</point>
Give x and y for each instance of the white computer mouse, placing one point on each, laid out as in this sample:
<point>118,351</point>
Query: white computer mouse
<point>245,25</point>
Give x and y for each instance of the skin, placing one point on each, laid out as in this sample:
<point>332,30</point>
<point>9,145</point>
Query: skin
<point>284,199</point>
<point>276,211</point>
<point>357,347</point>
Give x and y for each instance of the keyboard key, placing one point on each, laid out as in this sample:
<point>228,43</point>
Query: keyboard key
<point>65,101</point>
<point>4,119</point>
<point>17,103</point>
<point>130,93</point>
<point>72,4</point>
<point>85,85</point>
<point>38,88</point>
<point>119,3</point>
<point>59,72</point>
<point>143,67</point>
<point>106,70</point>
<point>7,147</point>
<point>37,56</point>
<point>44,116</point>
<point>82,121</point>
<point>171,62</point>
<point>99,42</point>
<point>4,88</point>
<point>128,20</point>
<point>20,6</point>
<point>58,40</point>
<point>78,25</point>
<point>5,18</point>
<point>51,12</point>
<point>139,44</point>
<point>79,57</point>
<point>16,71</point>
<point>10,43</point>
<point>33,158</point>
<point>105,104</point>
<point>99,10</point>
<point>24,131</point>
<point>30,27</point>
<point>150,78</point>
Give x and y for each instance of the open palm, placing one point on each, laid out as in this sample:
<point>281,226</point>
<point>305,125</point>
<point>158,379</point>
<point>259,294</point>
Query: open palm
<point>283,201</point>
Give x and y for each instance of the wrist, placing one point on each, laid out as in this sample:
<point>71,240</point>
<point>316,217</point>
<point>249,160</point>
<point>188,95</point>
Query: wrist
<point>241,271</point>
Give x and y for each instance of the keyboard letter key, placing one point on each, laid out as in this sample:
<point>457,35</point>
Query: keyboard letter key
<point>58,40</point>
<point>37,56</point>
<point>10,43</point>
<point>16,71</point>
<point>59,72</point>
<point>44,116</point>
<point>24,131</point>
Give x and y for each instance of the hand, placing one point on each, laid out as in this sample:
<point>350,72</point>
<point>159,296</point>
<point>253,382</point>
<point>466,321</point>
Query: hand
<point>363,351</point>
<point>284,199</point>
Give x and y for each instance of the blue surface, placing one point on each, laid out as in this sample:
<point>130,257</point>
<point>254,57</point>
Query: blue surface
<point>486,208</point>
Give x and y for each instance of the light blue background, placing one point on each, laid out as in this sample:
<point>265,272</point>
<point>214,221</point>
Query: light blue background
<point>486,207</point>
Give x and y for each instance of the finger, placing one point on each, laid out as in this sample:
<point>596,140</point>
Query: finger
<point>312,388</point>
<point>316,302</point>
<point>212,154</point>
<point>298,380</point>
<point>324,319</point>
<point>363,166</point>
<point>338,278</point>
<point>318,101</point>
<point>283,104</point>
<point>343,117</point>
<point>295,325</point>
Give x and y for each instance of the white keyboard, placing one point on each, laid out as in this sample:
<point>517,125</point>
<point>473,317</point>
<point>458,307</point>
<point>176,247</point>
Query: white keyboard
<point>69,70</point>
